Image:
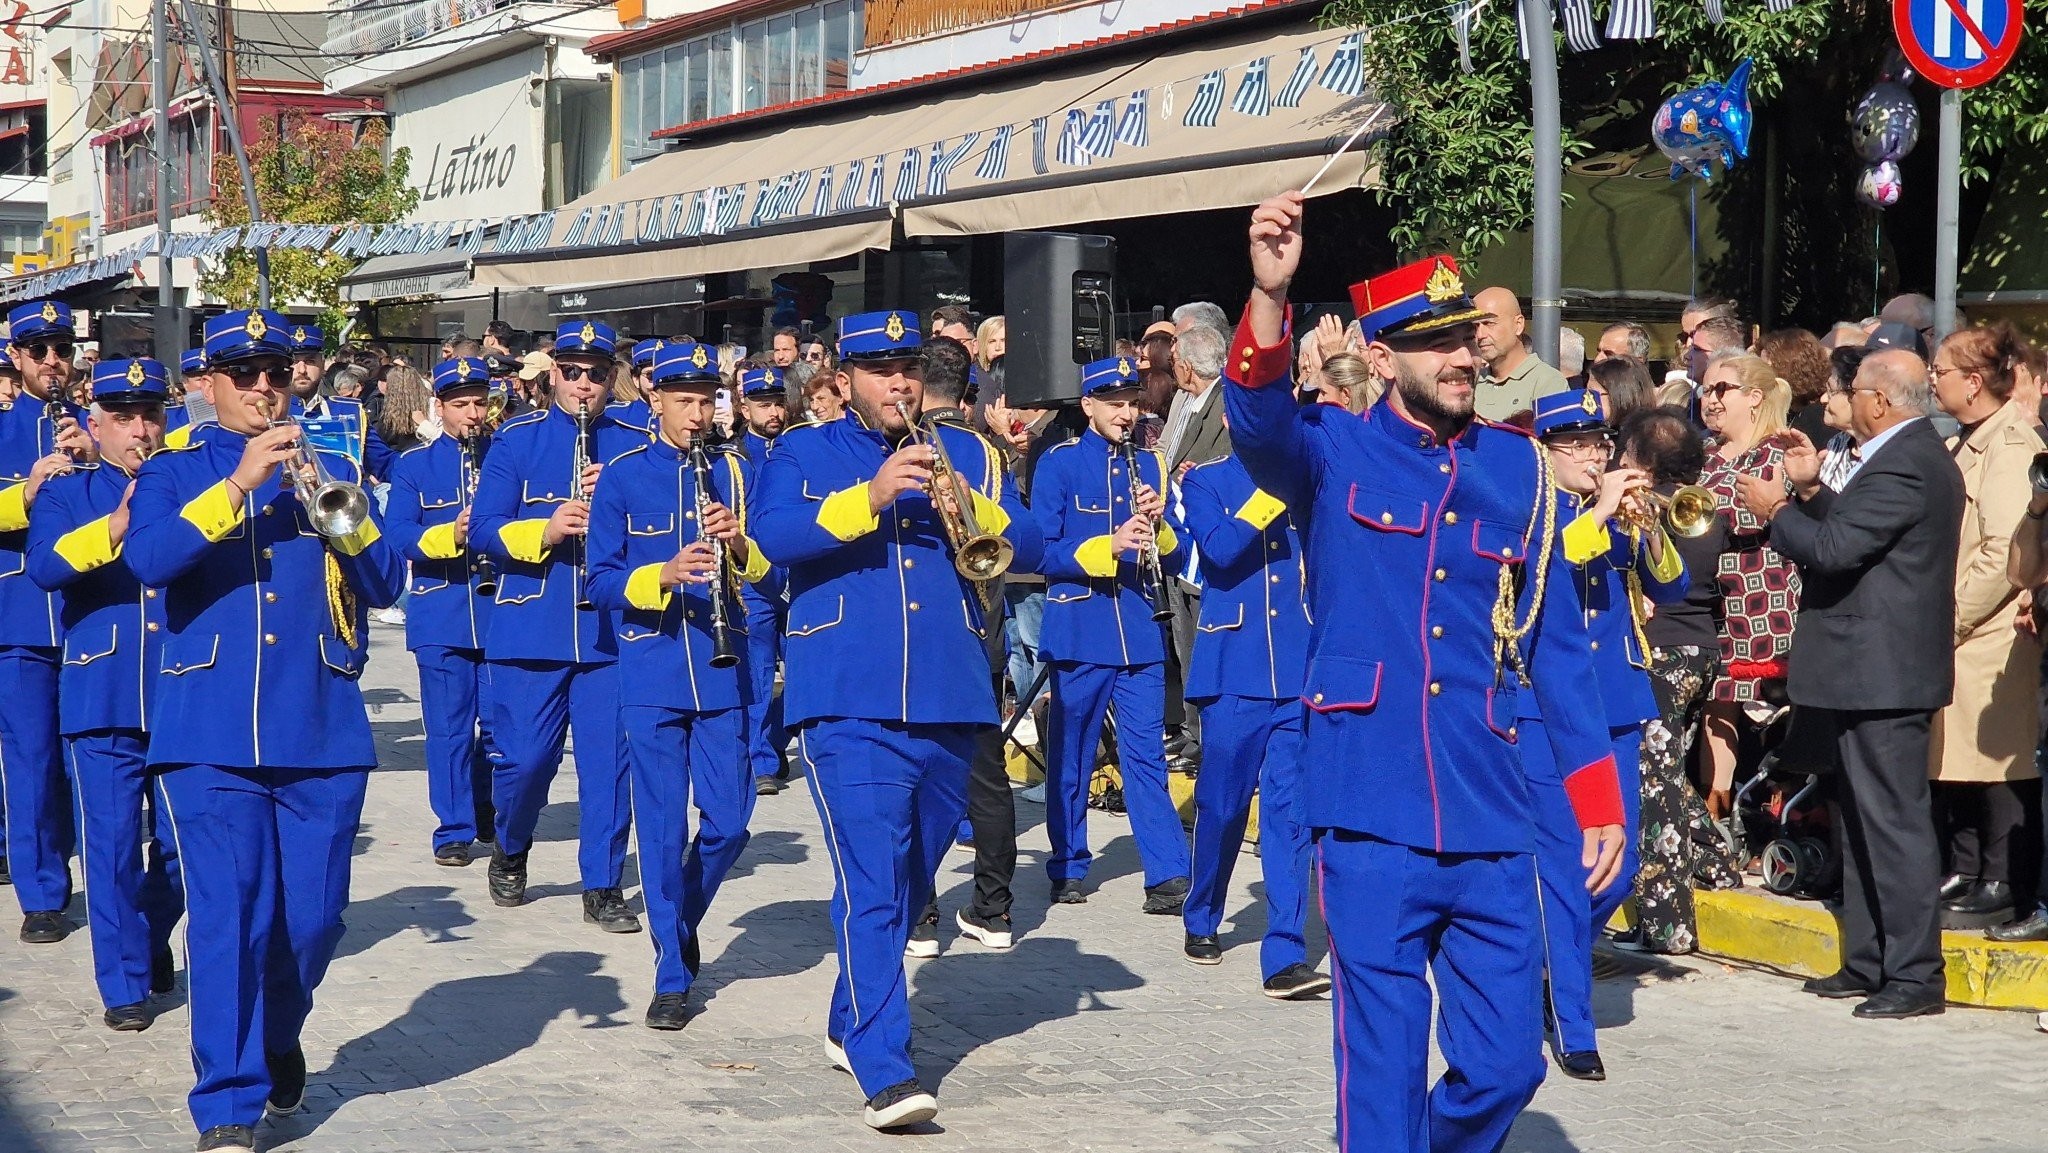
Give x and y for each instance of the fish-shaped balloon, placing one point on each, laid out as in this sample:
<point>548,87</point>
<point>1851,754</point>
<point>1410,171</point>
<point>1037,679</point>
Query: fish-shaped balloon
<point>1703,125</point>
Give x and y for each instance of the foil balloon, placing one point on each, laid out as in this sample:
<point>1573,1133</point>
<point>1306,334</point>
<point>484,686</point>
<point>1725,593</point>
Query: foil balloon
<point>1703,125</point>
<point>1885,125</point>
<point>1880,185</point>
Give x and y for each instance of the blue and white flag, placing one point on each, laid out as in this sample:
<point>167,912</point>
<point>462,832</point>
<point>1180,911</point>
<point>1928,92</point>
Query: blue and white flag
<point>995,162</point>
<point>1779,5</point>
<point>577,228</point>
<point>1073,144</point>
<point>1346,74</point>
<point>1208,102</point>
<point>1133,130</point>
<point>1297,84</point>
<point>821,205</point>
<point>1579,35</point>
<point>907,172</point>
<point>873,197</point>
<point>1714,15</point>
<point>792,202</point>
<point>1098,136</point>
<point>613,230</point>
<point>945,160</point>
<point>1038,164</point>
<point>473,239</point>
<point>1253,97</point>
<point>849,194</point>
<point>700,209</point>
<point>1631,20</point>
<point>678,208</point>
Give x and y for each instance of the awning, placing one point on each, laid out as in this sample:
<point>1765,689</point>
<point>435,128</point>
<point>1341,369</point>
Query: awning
<point>436,273</point>
<point>1049,169</point>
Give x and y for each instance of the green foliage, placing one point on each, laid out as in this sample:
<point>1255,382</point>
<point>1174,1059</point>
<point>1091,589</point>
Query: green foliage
<point>313,174</point>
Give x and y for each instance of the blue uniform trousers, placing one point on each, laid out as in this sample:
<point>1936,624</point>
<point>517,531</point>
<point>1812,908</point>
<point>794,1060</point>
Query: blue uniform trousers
<point>454,684</point>
<point>1399,916</point>
<point>265,855</point>
<point>133,894</point>
<point>1081,694</point>
<point>534,705</point>
<point>766,736</point>
<point>1249,742</point>
<point>40,835</point>
<point>677,757</point>
<point>1572,917</point>
<point>888,796</point>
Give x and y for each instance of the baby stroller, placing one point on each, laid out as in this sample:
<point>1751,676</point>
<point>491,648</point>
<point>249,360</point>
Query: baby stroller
<point>1781,819</point>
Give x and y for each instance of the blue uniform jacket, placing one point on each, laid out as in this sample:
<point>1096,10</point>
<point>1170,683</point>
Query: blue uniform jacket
<point>1411,727</point>
<point>1252,637</point>
<point>881,625</point>
<point>28,612</point>
<point>633,414</point>
<point>377,456</point>
<point>248,610</point>
<point>646,512</point>
<point>1094,612</point>
<point>429,490</point>
<point>526,477</point>
<point>113,626</point>
<point>1601,556</point>
<point>774,587</point>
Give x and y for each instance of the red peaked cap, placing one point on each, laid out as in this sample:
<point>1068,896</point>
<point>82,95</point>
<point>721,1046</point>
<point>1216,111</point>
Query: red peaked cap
<point>1420,297</point>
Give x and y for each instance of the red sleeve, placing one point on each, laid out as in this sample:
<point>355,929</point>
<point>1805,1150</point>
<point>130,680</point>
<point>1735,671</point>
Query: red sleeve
<point>1595,794</point>
<point>1256,366</point>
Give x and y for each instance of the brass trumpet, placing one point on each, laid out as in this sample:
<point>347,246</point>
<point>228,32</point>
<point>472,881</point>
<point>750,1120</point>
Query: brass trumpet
<point>336,508</point>
<point>980,556</point>
<point>1688,512</point>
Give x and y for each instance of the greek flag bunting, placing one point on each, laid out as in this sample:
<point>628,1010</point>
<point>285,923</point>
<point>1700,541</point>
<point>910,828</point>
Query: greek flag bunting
<point>873,197</point>
<point>1579,35</point>
<point>735,204</point>
<point>1631,20</point>
<point>473,239</point>
<point>1779,5</point>
<point>1208,101</point>
<point>653,216</point>
<point>792,203</point>
<point>1714,15</point>
<point>907,172</point>
<point>693,224</point>
<point>1098,136</point>
<point>1346,74</point>
<point>1297,85</point>
<point>577,228</point>
<point>714,212</point>
<point>1133,130</point>
<point>822,206</point>
<point>1253,97</point>
<point>1073,148</point>
<point>849,194</point>
<point>996,161</point>
<point>764,200</point>
<point>1038,126</point>
<point>612,231</point>
<point>945,160</point>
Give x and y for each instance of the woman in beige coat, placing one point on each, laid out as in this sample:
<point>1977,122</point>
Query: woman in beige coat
<point>1983,745</point>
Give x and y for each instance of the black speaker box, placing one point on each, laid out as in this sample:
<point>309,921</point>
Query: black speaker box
<point>1059,313</point>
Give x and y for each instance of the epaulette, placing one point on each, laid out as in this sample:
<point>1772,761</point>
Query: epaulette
<point>188,446</point>
<point>522,420</point>
<point>1053,448</point>
<point>425,444</point>
<point>625,454</point>
<point>1219,460</point>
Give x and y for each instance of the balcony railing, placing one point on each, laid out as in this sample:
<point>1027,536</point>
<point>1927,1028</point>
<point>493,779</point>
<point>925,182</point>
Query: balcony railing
<point>356,31</point>
<point>889,21</point>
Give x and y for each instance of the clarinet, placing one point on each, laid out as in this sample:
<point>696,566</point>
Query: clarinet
<point>577,466</point>
<point>722,656</point>
<point>1151,573</point>
<point>483,571</point>
<point>55,410</point>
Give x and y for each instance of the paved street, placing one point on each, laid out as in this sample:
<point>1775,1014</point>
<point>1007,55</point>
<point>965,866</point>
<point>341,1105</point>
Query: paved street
<point>448,1024</point>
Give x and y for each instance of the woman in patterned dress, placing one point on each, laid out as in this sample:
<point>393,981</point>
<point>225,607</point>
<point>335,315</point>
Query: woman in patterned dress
<point>1743,403</point>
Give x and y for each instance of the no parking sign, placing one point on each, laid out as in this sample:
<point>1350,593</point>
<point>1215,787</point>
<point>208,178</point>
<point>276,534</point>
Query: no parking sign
<point>1957,43</point>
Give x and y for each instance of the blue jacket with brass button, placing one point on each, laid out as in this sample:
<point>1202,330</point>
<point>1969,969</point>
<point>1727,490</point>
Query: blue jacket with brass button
<point>113,626</point>
<point>646,513</point>
<point>1602,556</point>
<point>1251,639</point>
<point>249,606</point>
<point>429,490</point>
<point>773,588</point>
<point>1094,612</point>
<point>28,613</point>
<point>526,478</point>
<point>881,625</point>
<point>1412,541</point>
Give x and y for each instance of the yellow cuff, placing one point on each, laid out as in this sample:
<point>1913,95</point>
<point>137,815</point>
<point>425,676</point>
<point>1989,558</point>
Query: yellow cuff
<point>213,513</point>
<point>1261,509</point>
<point>757,565</point>
<point>14,508</point>
<point>644,591</point>
<point>990,515</point>
<point>1097,556</point>
<point>439,542</point>
<point>1665,569</point>
<point>354,543</point>
<point>88,546</point>
<point>526,540</point>
<point>1165,539</point>
<point>1585,538</point>
<point>846,515</point>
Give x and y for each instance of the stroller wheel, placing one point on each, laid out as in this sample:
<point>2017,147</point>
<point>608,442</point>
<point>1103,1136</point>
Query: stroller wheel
<point>1819,872</point>
<point>1781,866</point>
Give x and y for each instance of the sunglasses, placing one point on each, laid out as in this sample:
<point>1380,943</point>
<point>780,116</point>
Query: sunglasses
<point>43,348</point>
<point>245,374</point>
<point>575,372</point>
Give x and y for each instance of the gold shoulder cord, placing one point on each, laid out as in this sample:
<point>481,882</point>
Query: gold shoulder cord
<point>341,599</point>
<point>1636,599</point>
<point>731,574</point>
<point>1508,632</point>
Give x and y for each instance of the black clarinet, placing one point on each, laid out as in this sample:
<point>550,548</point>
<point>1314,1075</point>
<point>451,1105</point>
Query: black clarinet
<point>577,465</point>
<point>1151,573</point>
<point>722,656</point>
<point>483,571</point>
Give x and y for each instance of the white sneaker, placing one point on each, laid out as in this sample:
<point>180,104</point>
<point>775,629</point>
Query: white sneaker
<point>924,941</point>
<point>994,933</point>
<point>391,616</point>
<point>836,1053</point>
<point>1035,794</point>
<point>899,1106</point>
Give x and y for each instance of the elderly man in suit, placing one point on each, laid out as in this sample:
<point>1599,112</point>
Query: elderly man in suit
<point>1195,434</point>
<point>1872,659</point>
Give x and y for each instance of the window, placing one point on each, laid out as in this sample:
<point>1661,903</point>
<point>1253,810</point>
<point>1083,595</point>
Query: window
<point>130,164</point>
<point>20,236</point>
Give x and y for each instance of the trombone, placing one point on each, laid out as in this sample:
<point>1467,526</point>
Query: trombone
<point>1688,512</point>
<point>336,508</point>
<point>980,556</point>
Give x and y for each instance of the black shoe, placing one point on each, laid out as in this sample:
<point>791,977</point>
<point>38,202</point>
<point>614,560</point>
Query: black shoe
<point>1202,950</point>
<point>693,955</point>
<point>287,1083</point>
<point>226,1137</point>
<point>2034,928</point>
<point>1297,982</point>
<point>606,908</point>
<point>6,874</point>
<point>44,928</point>
<point>1981,898</point>
<point>1838,987</point>
<point>1894,1003</point>
<point>508,878</point>
<point>668,1012</point>
<point>1955,885</point>
<point>1583,1065</point>
<point>163,973</point>
<point>768,785</point>
<point>993,932</point>
<point>1068,893</point>
<point>1166,898</point>
<point>455,855</point>
<point>127,1018</point>
<point>901,1104</point>
<point>924,939</point>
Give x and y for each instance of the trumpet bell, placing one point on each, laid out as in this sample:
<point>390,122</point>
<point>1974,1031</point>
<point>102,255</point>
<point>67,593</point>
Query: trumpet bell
<point>1689,512</point>
<point>338,509</point>
<point>984,557</point>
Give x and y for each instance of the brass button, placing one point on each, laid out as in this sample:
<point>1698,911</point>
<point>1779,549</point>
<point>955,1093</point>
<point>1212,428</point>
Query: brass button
<point>267,554</point>
<point>1272,612</point>
<point>1596,646</point>
<point>150,593</point>
<point>913,606</point>
<point>689,516</point>
<point>1275,579</point>
<point>1511,731</point>
<point>903,522</point>
<point>1249,352</point>
<point>1319,698</point>
<point>1275,546</point>
<point>1444,467</point>
<point>270,598</point>
<point>152,626</point>
<point>267,510</point>
<point>1509,550</point>
<point>909,562</point>
<point>1386,518</point>
<point>1450,518</point>
<point>269,638</point>
<point>1436,630</point>
<point>1436,688</point>
<point>1440,574</point>
<point>1590,613</point>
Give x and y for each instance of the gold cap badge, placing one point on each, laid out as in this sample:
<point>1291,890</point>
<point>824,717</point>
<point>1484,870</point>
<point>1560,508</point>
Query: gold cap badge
<point>1443,284</point>
<point>589,332</point>
<point>1590,403</point>
<point>462,369</point>
<point>49,312</point>
<point>1123,366</point>
<point>894,328</point>
<point>256,327</point>
<point>699,358</point>
<point>135,373</point>
<point>299,335</point>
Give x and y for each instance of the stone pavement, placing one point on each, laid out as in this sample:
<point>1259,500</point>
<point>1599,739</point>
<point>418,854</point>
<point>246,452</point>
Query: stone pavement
<point>449,1024</point>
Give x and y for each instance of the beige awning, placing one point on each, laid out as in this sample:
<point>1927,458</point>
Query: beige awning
<point>1237,160</point>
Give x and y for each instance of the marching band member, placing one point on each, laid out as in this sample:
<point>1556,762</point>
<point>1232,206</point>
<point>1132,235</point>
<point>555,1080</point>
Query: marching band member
<point>553,653</point>
<point>113,639</point>
<point>763,401</point>
<point>1418,518</point>
<point>428,517</point>
<point>881,626</point>
<point>1244,673</point>
<point>635,407</point>
<point>366,447</point>
<point>34,447</point>
<point>683,683</point>
<point>1103,637</point>
<point>1607,558</point>
<point>258,724</point>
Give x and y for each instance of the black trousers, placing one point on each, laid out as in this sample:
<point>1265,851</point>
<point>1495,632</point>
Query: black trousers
<point>1891,868</point>
<point>1987,828</point>
<point>991,807</point>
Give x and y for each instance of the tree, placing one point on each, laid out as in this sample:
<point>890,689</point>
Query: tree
<point>314,173</point>
<point>1456,164</point>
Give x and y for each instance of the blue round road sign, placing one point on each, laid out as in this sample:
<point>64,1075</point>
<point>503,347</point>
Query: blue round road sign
<point>1957,43</point>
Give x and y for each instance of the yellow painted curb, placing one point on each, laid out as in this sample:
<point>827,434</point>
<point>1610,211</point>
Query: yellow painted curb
<point>1802,937</point>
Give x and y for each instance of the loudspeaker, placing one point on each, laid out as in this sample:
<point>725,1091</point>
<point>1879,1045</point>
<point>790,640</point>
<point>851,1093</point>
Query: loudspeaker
<point>1058,313</point>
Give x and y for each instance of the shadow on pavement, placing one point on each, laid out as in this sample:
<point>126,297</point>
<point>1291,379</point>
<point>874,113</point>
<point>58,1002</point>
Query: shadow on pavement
<point>1539,1133</point>
<point>1043,979</point>
<point>775,940</point>
<point>434,910</point>
<point>770,847</point>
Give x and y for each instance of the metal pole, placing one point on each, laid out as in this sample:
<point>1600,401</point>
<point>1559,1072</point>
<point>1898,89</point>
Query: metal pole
<point>234,130</point>
<point>168,340</point>
<point>1546,273</point>
<point>1947,210</point>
